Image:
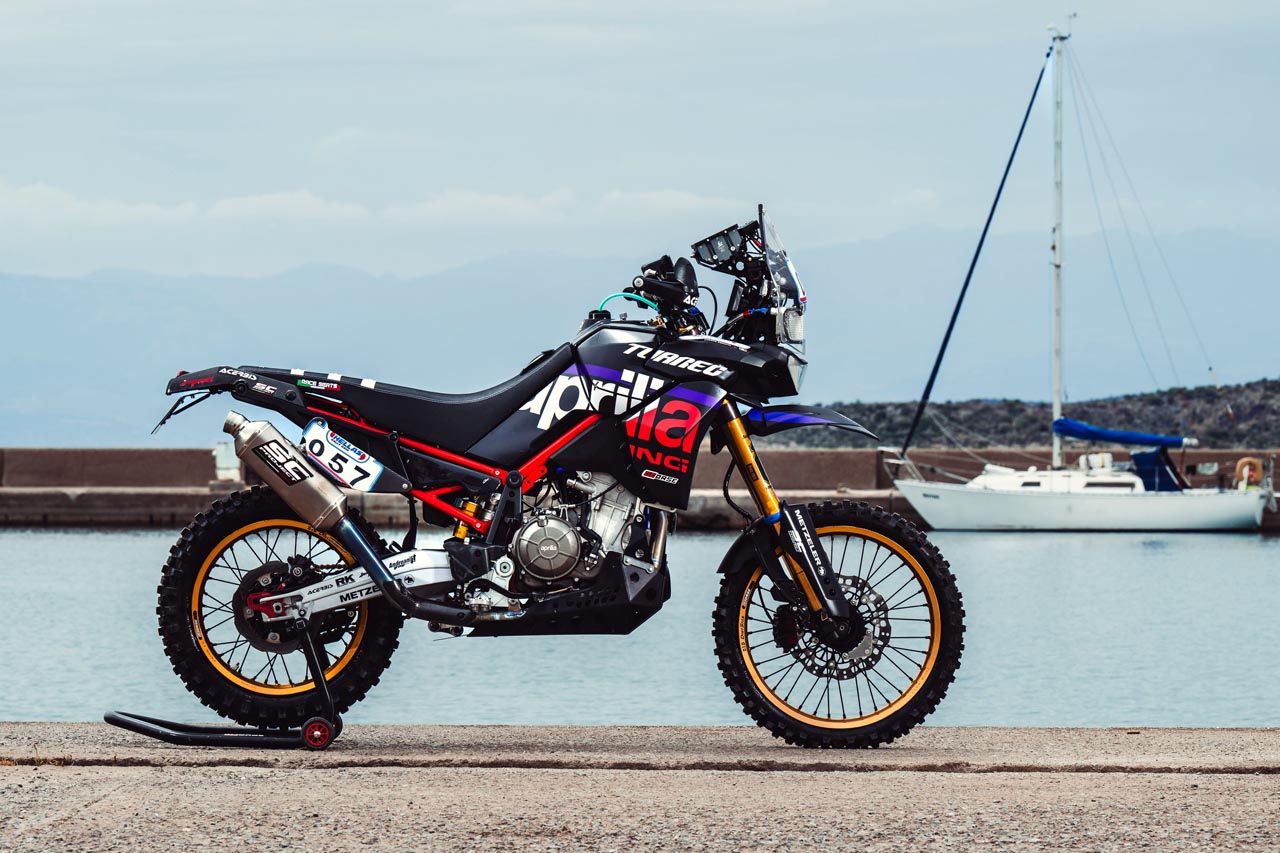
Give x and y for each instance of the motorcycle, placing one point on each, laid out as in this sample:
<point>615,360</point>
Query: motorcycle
<point>836,624</point>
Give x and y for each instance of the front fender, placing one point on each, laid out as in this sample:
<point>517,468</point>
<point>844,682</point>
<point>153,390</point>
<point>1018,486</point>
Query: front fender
<point>757,547</point>
<point>766,420</point>
<point>741,555</point>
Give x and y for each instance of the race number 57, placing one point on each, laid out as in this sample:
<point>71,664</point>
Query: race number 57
<point>349,464</point>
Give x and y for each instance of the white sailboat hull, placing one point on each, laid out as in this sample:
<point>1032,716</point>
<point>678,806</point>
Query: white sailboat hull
<point>947,506</point>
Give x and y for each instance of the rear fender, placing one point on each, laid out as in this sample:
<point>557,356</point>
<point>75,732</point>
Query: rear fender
<point>244,384</point>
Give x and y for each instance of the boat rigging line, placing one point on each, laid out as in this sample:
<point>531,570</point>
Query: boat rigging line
<point>945,425</point>
<point>1106,241</point>
<point>1088,109</point>
<point>1080,82</point>
<point>955,314</point>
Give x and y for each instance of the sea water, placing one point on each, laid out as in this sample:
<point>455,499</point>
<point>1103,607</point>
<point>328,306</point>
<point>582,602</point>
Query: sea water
<point>1062,630</point>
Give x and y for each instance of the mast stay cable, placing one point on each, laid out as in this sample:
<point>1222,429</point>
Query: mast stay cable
<point>1106,241</point>
<point>1090,107</point>
<point>955,314</point>
<point>1164,260</point>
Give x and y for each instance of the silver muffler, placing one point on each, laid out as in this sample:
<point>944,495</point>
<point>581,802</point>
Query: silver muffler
<point>323,506</point>
<point>292,476</point>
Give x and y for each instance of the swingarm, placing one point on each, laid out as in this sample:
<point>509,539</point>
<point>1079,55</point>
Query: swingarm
<point>425,570</point>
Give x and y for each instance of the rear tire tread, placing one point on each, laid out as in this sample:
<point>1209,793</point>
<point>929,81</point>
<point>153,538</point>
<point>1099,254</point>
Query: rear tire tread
<point>206,530</point>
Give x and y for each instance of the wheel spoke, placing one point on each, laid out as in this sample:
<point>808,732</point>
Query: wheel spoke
<point>227,644</point>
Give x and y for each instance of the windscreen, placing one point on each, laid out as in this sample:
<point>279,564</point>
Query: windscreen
<point>781,268</point>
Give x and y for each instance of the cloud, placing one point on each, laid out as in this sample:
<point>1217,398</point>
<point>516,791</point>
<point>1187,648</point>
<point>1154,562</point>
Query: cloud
<point>590,36</point>
<point>40,204</point>
<point>666,203</point>
<point>354,143</point>
<point>921,198</point>
<point>466,206</point>
<point>295,206</point>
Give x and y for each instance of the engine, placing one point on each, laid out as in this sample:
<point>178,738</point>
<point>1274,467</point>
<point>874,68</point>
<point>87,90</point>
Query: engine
<point>568,539</point>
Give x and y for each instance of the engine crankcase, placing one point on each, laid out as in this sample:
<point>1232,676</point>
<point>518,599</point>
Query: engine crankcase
<point>547,547</point>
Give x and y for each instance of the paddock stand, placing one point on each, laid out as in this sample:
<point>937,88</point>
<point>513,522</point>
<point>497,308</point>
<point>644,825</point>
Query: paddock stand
<point>316,733</point>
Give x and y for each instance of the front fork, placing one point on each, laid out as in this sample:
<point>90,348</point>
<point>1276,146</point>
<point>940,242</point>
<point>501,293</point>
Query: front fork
<point>786,530</point>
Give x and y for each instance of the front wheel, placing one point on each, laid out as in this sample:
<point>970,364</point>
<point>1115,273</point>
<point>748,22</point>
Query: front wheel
<point>804,691</point>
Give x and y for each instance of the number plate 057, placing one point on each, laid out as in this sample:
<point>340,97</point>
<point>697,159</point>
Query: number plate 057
<point>346,462</point>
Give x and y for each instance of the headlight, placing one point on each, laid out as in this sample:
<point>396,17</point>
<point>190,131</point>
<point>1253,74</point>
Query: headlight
<point>791,329</point>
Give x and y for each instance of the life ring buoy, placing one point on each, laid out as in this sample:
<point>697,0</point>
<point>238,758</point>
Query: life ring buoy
<point>1249,470</point>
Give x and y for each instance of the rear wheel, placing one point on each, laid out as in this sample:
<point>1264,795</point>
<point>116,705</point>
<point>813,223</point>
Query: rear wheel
<point>237,663</point>
<point>806,692</point>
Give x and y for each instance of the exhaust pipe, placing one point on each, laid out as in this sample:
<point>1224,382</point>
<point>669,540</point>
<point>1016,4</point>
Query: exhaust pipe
<point>323,506</point>
<point>275,459</point>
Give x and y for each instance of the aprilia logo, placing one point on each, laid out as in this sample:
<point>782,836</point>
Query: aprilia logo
<point>572,393</point>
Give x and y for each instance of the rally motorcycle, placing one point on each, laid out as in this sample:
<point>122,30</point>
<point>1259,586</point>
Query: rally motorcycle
<point>836,624</point>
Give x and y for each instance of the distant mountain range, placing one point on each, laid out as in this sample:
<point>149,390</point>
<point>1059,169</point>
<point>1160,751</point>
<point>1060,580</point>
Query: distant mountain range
<point>1253,420</point>
<point>85,359</point>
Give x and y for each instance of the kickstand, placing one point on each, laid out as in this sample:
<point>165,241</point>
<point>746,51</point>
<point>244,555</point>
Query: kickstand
<point>316,733</point>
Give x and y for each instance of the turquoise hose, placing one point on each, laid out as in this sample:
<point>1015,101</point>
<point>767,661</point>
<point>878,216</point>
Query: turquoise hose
<point>633,297</point>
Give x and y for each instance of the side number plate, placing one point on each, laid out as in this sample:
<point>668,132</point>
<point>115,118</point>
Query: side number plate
<point>348,463</point>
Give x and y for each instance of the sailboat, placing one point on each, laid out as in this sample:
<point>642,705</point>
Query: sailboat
<point>1147,494</point>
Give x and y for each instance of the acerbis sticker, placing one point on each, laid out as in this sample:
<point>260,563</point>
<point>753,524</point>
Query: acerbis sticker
<point>347,463</point>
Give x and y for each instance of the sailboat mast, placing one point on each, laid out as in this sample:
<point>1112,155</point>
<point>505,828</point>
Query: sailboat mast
<point>1059,71</point>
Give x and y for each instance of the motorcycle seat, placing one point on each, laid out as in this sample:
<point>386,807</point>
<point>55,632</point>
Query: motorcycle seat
<point>452,421</point>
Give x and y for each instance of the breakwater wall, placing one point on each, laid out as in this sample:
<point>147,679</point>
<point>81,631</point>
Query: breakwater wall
<point>166,487</point>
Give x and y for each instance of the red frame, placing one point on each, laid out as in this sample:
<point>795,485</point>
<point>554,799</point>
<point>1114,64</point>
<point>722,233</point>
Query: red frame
<point>530,472</point>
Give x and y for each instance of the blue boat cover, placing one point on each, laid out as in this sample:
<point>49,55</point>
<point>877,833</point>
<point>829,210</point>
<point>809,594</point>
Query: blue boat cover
<point>1156,470</point>
<point>1089,432</point>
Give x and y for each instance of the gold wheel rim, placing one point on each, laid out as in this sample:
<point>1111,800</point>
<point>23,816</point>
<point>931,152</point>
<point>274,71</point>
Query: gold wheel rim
<point>197,620</point>
<point>935,640</point>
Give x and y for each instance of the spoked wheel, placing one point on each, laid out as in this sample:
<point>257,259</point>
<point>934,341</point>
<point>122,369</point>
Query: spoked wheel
<point>232,656</point>
<point>864,693</point>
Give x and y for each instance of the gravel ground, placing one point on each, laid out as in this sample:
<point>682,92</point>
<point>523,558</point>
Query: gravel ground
<point>680,748</point>
<point>195,808</point>
<point>91,787</point>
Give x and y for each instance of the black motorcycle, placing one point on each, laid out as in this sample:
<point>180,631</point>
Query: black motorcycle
<point>836,625</point>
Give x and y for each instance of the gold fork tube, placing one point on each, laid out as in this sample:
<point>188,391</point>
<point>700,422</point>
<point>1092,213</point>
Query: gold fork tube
<point>744,454</point>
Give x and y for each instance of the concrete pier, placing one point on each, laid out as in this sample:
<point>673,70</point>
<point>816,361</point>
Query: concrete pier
<point>92,787</point>
<point>165,488</point>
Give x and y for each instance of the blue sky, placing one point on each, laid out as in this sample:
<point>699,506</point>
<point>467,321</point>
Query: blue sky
<point>172,173</point>
<point>406,138</point>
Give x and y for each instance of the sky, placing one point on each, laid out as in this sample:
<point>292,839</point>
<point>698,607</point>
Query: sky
<point>239,138</point>
<point>475,175</point>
